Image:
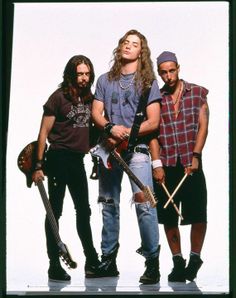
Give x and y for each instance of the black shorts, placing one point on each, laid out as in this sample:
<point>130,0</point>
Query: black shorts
<point>192,194</point>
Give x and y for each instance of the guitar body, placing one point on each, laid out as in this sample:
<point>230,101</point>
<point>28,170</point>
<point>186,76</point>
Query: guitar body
<point>26,163</point>
<point>102,152</point>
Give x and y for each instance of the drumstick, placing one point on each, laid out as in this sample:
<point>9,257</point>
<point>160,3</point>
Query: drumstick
<point>177,187</point>
<point>172,201</point>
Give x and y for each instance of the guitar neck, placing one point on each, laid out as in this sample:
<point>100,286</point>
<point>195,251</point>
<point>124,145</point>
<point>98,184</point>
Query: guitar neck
<point>49,211</point>
<point>127,169</point>
<point>63,250</point>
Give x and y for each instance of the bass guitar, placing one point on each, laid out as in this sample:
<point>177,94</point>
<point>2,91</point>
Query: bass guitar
<point>104,154</point>
<point>26,163</point>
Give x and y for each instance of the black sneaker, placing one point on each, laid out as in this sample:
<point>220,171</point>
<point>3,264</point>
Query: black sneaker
<point>178,272</point>
<point>57,274</point>
<point>151,275</point>
<point>194,265</point>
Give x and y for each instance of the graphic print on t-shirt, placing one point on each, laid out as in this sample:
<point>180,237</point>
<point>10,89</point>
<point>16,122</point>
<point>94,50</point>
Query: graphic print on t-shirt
<point>80,114</point>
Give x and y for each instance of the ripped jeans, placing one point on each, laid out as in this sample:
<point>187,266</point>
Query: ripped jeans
<point>109,194</point>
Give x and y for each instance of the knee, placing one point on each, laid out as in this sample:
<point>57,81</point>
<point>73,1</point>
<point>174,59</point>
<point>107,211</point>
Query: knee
<point>139,198</point>
<point>84,212</point>
<point>106,200</point>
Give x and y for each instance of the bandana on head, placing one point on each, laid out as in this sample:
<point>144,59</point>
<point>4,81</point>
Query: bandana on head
<point>166,56</point>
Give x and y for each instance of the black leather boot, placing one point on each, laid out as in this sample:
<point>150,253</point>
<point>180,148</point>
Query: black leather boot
<point>152,273</point>
<point>108,267</point>
<point>56,273</point>
<point>178,272</point>
<point>194,265</point>
<point>92,267</point>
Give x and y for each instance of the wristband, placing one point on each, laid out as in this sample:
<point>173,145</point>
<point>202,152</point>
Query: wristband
<point>156,163</point>
<point>38,165</point>
<point>197,155</point>
<point>107,128</point>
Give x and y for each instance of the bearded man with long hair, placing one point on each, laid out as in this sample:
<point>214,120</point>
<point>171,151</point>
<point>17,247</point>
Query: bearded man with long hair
<point>66,123</point>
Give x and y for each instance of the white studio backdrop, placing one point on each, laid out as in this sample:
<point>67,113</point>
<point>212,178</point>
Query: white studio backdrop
<point>46,36</point>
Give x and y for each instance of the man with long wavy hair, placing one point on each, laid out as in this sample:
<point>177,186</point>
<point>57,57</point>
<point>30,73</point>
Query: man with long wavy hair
<point>117,97</point>
<point>66,125</point>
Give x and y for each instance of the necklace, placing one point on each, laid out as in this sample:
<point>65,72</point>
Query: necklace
<point>178,96</point>
<point>129,84</point>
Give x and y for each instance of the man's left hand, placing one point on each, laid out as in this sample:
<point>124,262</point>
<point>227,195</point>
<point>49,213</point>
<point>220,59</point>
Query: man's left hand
<point>193,168</point>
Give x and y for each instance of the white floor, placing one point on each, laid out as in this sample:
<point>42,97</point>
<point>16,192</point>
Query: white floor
<point>127,283</point>
<point>31,277</point>
<point>27,261</point>
<point>208,282</point>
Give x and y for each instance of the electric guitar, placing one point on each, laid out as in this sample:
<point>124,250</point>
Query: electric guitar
<point>104,153</point>
<point>26,162</point>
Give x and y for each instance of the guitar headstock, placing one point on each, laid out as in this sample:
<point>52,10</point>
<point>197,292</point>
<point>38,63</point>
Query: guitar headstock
<point>150,196</point>
<point>66,257</point>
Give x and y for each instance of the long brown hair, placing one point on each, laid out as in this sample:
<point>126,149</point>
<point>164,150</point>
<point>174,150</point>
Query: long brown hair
<point>145,73</point>
<point>70,86</point>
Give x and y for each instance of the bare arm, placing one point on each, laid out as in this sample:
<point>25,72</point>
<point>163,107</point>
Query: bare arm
<point>158,171</point>
<point>201,136</point>
<point>98,114</point>
<point>46,126</point>
<point>153,119</point>
<point>118,132</point>
<point>154,148</point>
<point>203,128</point>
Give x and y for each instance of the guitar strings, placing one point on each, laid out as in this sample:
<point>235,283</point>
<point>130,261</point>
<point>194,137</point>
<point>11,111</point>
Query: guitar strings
<point>49,211</point>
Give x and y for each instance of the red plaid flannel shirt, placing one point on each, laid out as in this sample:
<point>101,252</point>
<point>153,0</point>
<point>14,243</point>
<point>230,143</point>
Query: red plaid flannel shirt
<point>177,136</point>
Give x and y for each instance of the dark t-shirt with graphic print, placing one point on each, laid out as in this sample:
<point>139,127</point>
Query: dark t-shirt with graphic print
<point>71,128</point>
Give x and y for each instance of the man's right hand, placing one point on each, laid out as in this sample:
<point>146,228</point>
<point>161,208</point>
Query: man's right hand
<point>159,175</point>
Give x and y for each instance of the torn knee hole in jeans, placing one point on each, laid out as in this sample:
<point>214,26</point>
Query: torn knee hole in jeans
<point>139,198</point>
<point>105,200</point>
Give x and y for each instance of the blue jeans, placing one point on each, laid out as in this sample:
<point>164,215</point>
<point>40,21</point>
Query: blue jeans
<point>109,194</point>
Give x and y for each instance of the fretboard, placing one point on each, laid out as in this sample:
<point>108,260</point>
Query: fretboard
<point>127,169</point>
<point>49,211</point>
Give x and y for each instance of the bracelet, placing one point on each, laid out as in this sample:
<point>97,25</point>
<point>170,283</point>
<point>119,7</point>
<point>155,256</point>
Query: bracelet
<point>107,128</point>
<point>197,155</point>
<point>38,165</point>
<point>156,163</point>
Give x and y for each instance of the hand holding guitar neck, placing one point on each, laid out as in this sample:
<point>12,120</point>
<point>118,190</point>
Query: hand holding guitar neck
<point>26,163</point>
